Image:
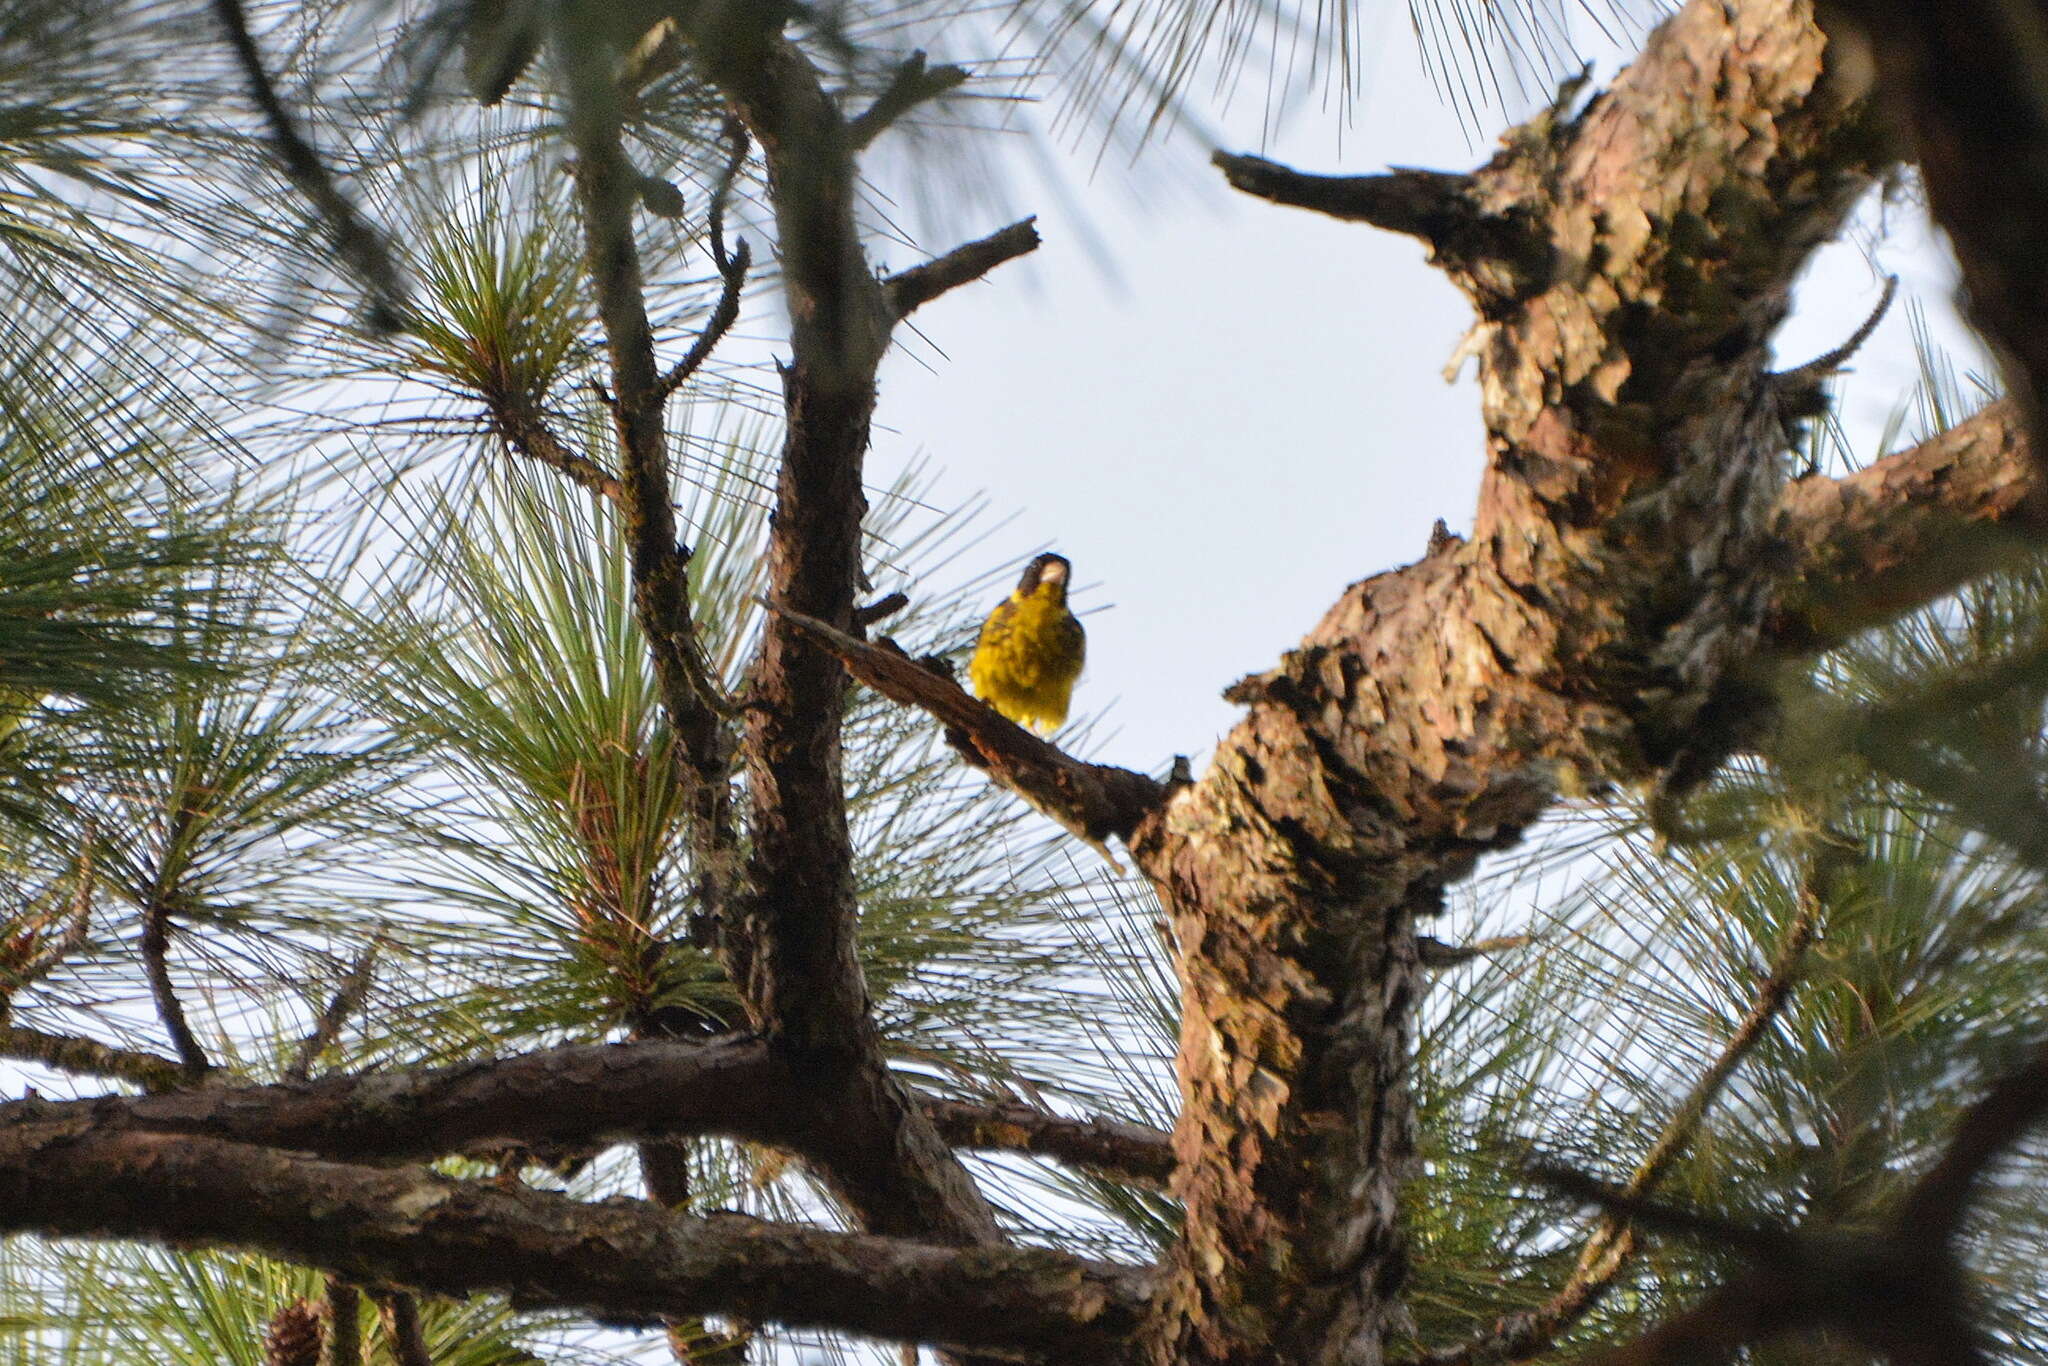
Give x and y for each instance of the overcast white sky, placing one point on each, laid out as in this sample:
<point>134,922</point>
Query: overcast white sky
<point>1252,414</point>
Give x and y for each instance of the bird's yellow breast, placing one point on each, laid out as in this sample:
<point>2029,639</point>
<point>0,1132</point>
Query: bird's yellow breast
<point>1028,656</point>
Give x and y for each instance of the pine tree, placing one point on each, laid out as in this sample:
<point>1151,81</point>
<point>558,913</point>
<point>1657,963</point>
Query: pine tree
<point>497,895</point>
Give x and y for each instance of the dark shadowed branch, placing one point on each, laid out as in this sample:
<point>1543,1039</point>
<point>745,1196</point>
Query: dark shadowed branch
<point>620,1261</point>
<point>562,1098</point>
<point>344,1345</point>
<point>1965,86</point>
<point>912,83</point>
<point>400,1312</point>
<point>156,948</point>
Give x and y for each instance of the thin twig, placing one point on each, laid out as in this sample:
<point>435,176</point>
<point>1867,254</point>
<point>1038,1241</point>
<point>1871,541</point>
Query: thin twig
<point>1435,953</point>
<point>347,999</point>
<point>358,243</point>
<point>722,318</point>
<point>526,431</point>
<point>732,267</point>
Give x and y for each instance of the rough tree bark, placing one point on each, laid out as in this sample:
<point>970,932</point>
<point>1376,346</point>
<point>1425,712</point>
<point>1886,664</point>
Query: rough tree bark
<point>1638,565</point>
<point>1628,263</point>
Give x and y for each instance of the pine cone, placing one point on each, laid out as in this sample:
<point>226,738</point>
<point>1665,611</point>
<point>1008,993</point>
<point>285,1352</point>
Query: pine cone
<point>293,1338</point>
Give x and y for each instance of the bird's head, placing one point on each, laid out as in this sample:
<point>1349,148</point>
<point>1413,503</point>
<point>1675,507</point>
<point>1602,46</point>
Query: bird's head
<point>1048,570</point>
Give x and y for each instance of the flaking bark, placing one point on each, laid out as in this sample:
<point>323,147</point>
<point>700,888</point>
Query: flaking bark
<point>1593,630</point>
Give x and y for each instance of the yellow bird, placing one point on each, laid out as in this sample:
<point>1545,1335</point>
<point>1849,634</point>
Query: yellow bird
<point>1030,649</point>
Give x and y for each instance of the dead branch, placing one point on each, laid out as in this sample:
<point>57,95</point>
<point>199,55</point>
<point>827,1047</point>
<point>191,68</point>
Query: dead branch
<point>911,84</point>
<point>911,289</point>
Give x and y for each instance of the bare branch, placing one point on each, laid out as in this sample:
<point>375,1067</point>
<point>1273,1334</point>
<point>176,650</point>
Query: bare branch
<point>913,83</point>
<point>620,1260</point>
<point>359,244</point>
<point>1423,204</point>
<point>1094,801</point>
<point>1813,373</point>
<point>879,610</point>
<point>723,316</point>
<point>908,290</point>
<point>732,268</point>
<point>91,1058</point>
<point>795,948</point>
<point>1128,1151</point>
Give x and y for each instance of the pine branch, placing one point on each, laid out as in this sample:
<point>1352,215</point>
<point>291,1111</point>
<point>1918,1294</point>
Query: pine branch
<point>606,191</point>
<point>156,943</point>
<point>621,1261</point>
<point>526,431</point>
<point>1607,1251</point>
<point>565,1098</point>
<point>91,1058</point>
<point>795,953</point>
<point>911,289</point>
